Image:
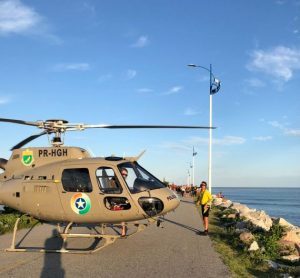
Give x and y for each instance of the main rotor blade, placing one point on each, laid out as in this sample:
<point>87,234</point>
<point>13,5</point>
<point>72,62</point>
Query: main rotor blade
<point>19,122</point>
<point>27,140</point>
<point>142,126</point>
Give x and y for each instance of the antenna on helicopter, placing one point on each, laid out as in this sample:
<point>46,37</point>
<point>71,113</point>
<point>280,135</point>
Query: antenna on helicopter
<point>56,140</point>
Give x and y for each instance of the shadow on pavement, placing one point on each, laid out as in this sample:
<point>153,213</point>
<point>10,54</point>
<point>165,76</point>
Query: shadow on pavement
<point>52,261</point>
<point>182,225</point>
<point>188,202</point>
<point>24,237</point>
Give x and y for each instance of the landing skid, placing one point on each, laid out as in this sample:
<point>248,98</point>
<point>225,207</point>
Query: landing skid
<point>106,239</point>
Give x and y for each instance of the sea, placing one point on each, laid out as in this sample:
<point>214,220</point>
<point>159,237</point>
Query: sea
<point>275,201</point>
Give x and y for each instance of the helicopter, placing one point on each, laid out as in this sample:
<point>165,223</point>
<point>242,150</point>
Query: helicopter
<point>67,186</point>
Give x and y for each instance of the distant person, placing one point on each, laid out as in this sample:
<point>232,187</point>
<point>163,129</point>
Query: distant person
<point>194,191</point>
<point>182,191</point>
<point>220,195</point>
<point>204,199</point>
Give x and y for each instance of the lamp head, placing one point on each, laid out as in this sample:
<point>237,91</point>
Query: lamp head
<point>215,86</point>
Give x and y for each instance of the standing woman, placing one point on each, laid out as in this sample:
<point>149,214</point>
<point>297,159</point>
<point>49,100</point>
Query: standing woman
<point>204,200</point>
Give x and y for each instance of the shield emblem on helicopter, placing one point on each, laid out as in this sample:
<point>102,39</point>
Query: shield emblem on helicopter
<point>27,157</point>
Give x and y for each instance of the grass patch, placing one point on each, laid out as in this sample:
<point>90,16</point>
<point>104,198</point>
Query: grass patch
<point>234,254</point>
<point>239,263</point>
<point>9,217</point>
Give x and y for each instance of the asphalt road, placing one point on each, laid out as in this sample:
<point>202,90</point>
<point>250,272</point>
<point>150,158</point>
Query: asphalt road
<point>173,250</point>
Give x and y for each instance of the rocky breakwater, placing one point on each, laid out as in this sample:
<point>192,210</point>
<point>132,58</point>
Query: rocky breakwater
<point>266,238</point>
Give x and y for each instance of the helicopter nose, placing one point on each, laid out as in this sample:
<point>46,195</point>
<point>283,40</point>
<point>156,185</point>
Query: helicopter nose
<point>169,198</point>
<point>171,202</point>
<point>159,202</point>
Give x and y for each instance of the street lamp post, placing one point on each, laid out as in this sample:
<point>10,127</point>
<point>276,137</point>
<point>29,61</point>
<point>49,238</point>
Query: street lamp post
<point>193,170</point>
<point>192,177</point>
<point>214,87</point>
<point>194,154</point>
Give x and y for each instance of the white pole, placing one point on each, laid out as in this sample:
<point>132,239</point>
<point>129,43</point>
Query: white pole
<point>210,130</point>
<point>210,144</point>
<point>188,179</point>
<point>193,168</point>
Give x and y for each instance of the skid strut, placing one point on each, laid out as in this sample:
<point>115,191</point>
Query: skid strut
<point>107,239</point>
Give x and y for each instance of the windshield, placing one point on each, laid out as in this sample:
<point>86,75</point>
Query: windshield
<point>137,178</point>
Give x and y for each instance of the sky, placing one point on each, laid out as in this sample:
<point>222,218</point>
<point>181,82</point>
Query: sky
<point>125,62</point>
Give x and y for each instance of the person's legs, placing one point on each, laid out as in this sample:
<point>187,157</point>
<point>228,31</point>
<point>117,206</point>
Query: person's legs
<point>205,214</point>
<point>123,233</point>
<point>205,220</point>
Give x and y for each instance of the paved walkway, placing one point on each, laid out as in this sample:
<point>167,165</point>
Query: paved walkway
<point>174,250</point>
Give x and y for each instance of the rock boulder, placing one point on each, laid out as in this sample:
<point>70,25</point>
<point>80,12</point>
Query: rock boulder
<point>254,246</point>
<point>293,236</point>
<point>259,219</point>
<point>217,201</point>
<point>287,248</point>
<point>283,223</point>
<point>246,237</point>
<point>242,209</point>
<point>291,258</point>
<point>226,204</point>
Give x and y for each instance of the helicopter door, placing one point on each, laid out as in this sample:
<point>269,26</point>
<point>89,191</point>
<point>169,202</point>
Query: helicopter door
<point>116,199</point>
<point>77,198</point>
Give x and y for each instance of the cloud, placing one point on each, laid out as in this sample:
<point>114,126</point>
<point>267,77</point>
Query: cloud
<point>173,90</point>
<point>190,112</point>
<point>279,62</point>
<point>255,82</point>
<point>276,124</point>
<point>292,132</point>
<point>15,17</point>
<point>89,7</point>
<point>262,138</point>
<point>130,74</point>
<point>225,141</point>
<point>176,146</point>
<point>105,77</point>
<point>144,90</point>
<point>142,41</point>
<point>72,67</point>
<point>203,78</point>
<point>286,130</point>
<point>229,140</point>
<point>185,145</point>
<point>4,100</point>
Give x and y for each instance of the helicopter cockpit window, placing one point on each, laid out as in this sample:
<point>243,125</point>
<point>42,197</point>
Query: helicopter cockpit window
<point>138,179</point>
<point>108,183</point>
<point>76,180</point>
